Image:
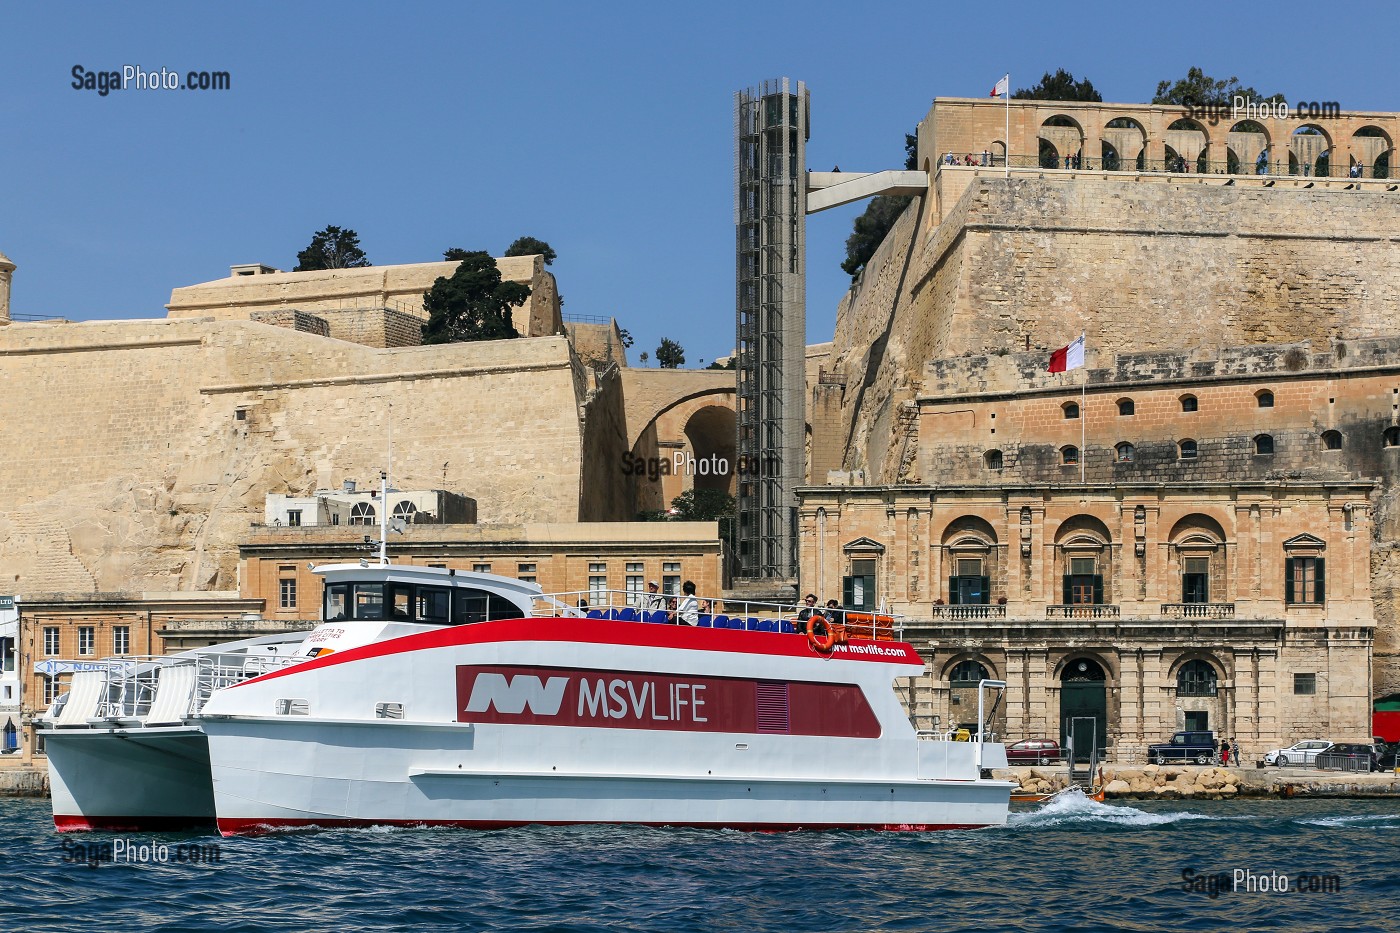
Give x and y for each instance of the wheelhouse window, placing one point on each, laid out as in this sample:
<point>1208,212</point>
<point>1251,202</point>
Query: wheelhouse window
<point>1195,580</point>
<point>1196,679</point>
<point>1187,450</point>
<point>1305,581</point>
<point>472,605</point>
<point>362,514</point>
<point>337,602</point>
<point>969,586</point>
<point>1188,403</point>
<point>1083,585</point>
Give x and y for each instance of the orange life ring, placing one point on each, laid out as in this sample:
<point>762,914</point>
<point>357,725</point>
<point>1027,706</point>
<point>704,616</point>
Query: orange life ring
<point>820,642</point>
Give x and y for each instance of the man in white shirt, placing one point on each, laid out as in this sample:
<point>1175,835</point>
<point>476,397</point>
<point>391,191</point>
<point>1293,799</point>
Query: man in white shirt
<point>688,609</point>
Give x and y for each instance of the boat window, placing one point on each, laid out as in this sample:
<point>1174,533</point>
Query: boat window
<point>468,605</point>
<point>434,605</point>
<point>400,600</point>
<point>337,602</point>
<point>369,601</point>
<point>502,608</point>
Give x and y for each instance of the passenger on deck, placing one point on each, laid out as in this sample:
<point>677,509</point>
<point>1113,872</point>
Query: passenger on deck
<point>810,609</point>
<point>651,599</point>
<point>834,611</point>
<point>688,611</point>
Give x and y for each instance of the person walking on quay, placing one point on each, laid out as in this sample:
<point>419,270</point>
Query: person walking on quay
<point>1225,754</point>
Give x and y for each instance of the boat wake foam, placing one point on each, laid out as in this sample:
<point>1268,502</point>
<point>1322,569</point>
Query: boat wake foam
<point>1072,807</point>
<point>1362,821</point>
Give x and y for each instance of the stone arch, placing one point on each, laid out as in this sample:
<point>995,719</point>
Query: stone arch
<point>962,692</point>
<point>673,414</point>
<point>998,150</point>
<point>972,560</point>
<point>1064,135</point>
<point>1372,149</point>
<point>710,434</point>
<point>1309,148</point>
<point>1128,140</point>
<point>1084,687</point>
<point>1189,140</point>
<point>1084,561</point>
<point>1195,679</point>
<point>1248,140</point>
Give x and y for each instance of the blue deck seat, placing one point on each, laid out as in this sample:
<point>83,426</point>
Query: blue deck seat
<point>768,625</point>
<point>752,625</point>
<point>655,615</point>
<point>627,615</point>
<point>787,627</point>
<point>595,614</point>
<point>704,622</point>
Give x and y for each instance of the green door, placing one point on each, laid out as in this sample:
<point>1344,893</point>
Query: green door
<point>1083,697</point>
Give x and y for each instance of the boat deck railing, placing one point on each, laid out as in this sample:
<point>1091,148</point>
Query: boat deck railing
<point>739,615</point>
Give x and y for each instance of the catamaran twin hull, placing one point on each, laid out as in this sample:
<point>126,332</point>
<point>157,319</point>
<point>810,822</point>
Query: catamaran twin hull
<point>591,721</point>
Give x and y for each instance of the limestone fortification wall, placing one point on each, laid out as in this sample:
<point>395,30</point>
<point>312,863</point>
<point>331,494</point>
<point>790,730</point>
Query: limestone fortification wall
<point>130,467</point>
<point>399,287</point>
<point>1028,263</point>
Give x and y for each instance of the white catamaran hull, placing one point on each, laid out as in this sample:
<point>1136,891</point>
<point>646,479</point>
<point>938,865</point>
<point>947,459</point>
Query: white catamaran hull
<point>129,780</point>
<point>541,721</point>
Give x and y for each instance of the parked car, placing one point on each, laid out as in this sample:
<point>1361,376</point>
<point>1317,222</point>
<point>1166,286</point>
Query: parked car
<point>1184,746</point>
<point>1350,756</point>
<point>1033,752</point>
<point>1388,759</point>
<point>1299,753</point>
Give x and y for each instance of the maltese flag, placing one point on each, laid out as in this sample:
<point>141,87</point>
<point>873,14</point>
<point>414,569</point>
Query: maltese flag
<point>1068,357</point>
<point>1003,87</point>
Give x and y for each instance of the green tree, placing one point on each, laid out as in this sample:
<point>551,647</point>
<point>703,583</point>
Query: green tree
<point>704,505</point>
<point>626,338</point>
<point>871,228</point>
<point>1201,90</point>
<point>529,246</point>
<point>644,357</point>
<point>670,355</point>
<point>911,152</point>
<point>727,364</point>
<point>474,304</point>
<point>1059,86</point>
<point>332,248</point>
<point>455,254</point>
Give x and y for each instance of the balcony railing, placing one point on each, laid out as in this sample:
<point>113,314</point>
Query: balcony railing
<point>1198,610</point>
<point>968,613</point>
<point>1081,611</point>
<point>1178,166</point>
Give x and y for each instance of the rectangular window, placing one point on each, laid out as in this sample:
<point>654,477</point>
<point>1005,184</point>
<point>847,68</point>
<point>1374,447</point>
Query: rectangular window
<point>968,587</point>
<point>1083,585</point>
<point>858,589</point>
<point>287,593</point>
<point>1195,580</point>
<point>1304,581</point>
<point>50,640</point>
<point>294,518</point>
<point>121,639</point>
<point>50,690</point>
<point>481,568</point>
<point>87,638</point>
<point>526,573</point>
<point>1305,684</point>
<point>635,580</point>
<point>7,655</point>
<point>671,578</point>
<point>597,584</point>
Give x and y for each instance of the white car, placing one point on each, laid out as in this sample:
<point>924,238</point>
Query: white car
<point>1301,753</point>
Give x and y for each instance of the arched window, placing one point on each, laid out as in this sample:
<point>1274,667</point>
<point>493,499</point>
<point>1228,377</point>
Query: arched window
<point>1069,456</point>
<point>1071,410</point>
<point>1196,679</point>
<point>1126,407</point>
<point>1392,437</point>
<point>1263,445</point>
<point>968,673</point>
<point>1187,450</point>
<point>1125,452</point>
<point>1331,440</point>
<point>1265,397</point>
<point>405,511</point>
<point>362,514</point>
<point>993,459</point>
<point>1188,403</point>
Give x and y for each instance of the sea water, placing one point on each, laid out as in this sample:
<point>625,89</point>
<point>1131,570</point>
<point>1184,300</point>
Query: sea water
<point>1070,864</point>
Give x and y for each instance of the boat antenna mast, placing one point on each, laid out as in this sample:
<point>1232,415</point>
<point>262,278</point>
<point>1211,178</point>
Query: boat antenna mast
<point>383,517</point>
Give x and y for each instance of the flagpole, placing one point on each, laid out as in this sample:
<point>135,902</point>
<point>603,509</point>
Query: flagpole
<point>1083,420</point>
<point>1008,125</point>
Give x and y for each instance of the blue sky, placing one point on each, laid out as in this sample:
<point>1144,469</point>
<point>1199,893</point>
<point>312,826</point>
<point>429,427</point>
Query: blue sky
<point>604,129</point>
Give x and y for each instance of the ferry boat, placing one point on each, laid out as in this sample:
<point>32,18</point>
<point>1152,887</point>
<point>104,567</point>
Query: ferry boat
<point>434,697</point>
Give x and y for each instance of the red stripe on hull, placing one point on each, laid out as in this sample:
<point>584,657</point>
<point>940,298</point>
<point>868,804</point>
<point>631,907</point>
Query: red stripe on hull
<point>252,827</point>
<point>607,632</point>
<point>66,823</point>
